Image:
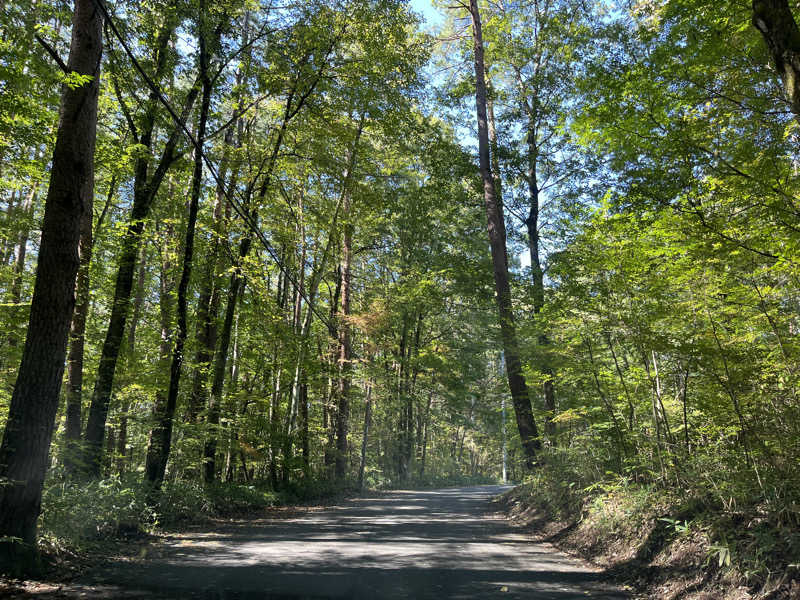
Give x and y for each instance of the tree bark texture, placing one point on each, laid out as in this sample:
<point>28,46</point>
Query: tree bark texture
<point>496,226</point>
<point>24,451</point>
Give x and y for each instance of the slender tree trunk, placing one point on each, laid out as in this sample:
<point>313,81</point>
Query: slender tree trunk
<point>21,249</point>
<point>631,408</point>
<point>220,366</point>
<point>365,437</point>
<point>304,427</point>
<point>402,367</point>
<point>237,283</point>
<point>161,436</point>
<point>496,226</point>
<point>210,296</point>
<point>8,221</point>
<point>299,330</point>
<point>345,327</point>
<point>505,442</point>
<point>24,451</point>
<point>209,300</point>
<point>77,334</point>
<point>138,302</point>
<point>145,188</point>
<point>166,285</point>
<point>328,409</point>
<point>537,272</point>
<point>622,450</point>
<point>77,339</point>
<point>425,426</point>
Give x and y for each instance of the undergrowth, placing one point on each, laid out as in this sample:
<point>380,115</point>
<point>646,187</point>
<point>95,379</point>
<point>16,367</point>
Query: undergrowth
<point>75,515</point>
<point>738,533</point>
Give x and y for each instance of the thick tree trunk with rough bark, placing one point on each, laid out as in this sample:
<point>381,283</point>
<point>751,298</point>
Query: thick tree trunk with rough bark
<point>24,451</point>
<point>496,226</point>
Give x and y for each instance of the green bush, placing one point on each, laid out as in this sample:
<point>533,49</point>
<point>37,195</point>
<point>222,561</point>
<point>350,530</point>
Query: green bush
<point>232,498</point>
<point>183,501</point>
<point>77,512</point>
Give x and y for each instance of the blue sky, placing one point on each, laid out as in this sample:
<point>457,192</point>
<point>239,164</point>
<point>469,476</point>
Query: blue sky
<point>432,16</point>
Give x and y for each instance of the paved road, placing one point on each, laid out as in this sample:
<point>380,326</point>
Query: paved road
<point>413,545</point>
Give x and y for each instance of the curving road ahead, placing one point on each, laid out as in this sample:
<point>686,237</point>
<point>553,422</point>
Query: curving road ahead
<point>407,544</point>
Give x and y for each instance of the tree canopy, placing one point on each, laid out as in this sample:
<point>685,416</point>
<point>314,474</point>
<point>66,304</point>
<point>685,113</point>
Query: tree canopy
<point>278,272</point>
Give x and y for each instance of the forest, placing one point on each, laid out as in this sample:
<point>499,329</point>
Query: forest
<point>253,250</point>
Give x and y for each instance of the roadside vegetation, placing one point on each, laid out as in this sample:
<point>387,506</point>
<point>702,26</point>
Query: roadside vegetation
<point>257,253</point>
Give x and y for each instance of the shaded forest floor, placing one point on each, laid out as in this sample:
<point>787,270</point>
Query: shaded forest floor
<point>658,549</point>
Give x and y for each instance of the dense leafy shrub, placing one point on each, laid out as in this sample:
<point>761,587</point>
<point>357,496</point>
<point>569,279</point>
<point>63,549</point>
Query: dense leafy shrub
<point>76,512</point>
<point>231,498</point>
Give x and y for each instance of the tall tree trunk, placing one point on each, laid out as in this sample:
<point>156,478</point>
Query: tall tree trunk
<point>529,108</point>
<point>21,249</point>
<point>237,283</point>
<point>328,409</point>
<point>24,451</point>
<point>161,436</point>
<point>345,327</point>
<point>299,330</point>
<point>77,339</point>
<point>8,220</point>
<point>365,436</point>
<point>166,285</point>
<point>425,425</point>
<point>220,366</point>
<point>210,296</point>
<point>209,300</point>
<point>138,302</point>
<point>537,273</point>
<point>304,426</point>
<point>496,226</point>
<point>145,188</point>
<point>402,367</point>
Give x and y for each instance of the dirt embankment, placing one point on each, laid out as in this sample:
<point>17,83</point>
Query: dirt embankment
<point>656,551</point>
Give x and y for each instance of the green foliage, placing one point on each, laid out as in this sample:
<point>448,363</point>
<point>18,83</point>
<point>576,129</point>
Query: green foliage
<point>666,170</point>
<point>87,511</point>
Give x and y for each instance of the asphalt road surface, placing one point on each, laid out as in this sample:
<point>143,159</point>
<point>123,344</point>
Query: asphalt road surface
<point>407,544</point>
